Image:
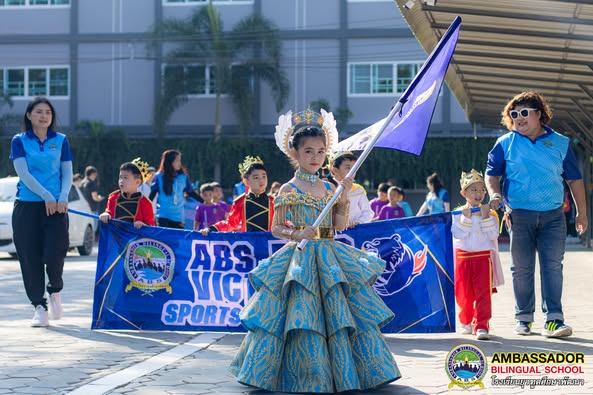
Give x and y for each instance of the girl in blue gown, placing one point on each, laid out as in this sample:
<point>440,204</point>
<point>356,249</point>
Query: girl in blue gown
<point>314,319</point>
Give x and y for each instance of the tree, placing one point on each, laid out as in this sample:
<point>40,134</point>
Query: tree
<point>9,122</point>
<point>236,60</point>
<point>341,114</point>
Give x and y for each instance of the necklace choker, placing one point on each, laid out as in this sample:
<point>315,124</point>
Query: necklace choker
<point>300,175</point>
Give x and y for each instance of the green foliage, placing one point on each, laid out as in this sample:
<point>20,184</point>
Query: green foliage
<point>106,148</point>
<point>341,114</point>
<point>9,123</point>
<point>253,47</point>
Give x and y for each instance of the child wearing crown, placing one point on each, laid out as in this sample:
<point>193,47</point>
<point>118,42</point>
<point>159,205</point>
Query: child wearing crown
<point>128,204</point>
<point>477,265</point>
<point>253,210</point>
<point>314,319</point>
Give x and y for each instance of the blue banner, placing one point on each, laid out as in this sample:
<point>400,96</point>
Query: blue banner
<point>166,279</point>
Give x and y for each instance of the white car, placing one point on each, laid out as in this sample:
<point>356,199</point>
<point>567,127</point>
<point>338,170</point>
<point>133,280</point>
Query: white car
<point>82,235</point>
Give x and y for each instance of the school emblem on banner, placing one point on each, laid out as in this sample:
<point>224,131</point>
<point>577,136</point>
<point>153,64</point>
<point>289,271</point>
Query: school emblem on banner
<point>149,266</point>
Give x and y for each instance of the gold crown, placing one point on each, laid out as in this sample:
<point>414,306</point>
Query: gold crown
<point>306,118</point>
<point>288,124</point>
<point>248,162</point>
<point>470,178</point>
<point>143,167</point>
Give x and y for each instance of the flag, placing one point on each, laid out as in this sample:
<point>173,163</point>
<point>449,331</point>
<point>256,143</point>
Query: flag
<point>406,130</point>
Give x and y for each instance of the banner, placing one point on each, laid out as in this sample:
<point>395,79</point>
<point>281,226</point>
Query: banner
<point>166,279</point>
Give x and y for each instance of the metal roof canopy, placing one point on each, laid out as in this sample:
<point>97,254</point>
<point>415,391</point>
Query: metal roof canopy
<point>509,46</point>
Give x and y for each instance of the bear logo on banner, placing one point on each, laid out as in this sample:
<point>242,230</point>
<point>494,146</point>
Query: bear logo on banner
<point>403,264</point>
<point>149,266</point>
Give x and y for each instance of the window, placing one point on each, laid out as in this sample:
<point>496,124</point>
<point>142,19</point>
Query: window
<point>405,75</point>
<point>35,81</point>
<point>29,3</point>
<point>197,80</point>
<point>360,78</point>
<point>58,82</point>
<point>15,82</point>
<point>206,1</point>
<point>380,78</point>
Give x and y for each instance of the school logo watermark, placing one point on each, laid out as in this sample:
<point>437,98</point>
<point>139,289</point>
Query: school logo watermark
<point>466,366</point>
<point>149,266</point>
<point>537,369</point>
<point>403,264</point>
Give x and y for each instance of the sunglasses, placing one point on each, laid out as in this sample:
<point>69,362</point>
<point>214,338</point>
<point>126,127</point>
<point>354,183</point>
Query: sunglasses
<point>523,113</point>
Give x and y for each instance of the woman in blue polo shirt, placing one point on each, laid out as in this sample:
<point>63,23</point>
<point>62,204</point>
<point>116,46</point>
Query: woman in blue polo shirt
<point>43,161</point>
<point>534,162</point>
<point>170,185</point>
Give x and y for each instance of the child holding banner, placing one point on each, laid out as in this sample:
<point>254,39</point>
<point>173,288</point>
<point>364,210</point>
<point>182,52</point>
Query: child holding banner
<point>128,204</point>
<point>253,210</point>
<point>477,266</point>
<point>314,319</point>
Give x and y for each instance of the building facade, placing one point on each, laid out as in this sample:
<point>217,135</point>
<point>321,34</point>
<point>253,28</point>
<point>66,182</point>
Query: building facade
<point>90,58</point>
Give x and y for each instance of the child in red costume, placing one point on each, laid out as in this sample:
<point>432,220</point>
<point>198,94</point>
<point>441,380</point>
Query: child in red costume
<point>252,211</point>
<point>128,204</point>
<point>477,267</point>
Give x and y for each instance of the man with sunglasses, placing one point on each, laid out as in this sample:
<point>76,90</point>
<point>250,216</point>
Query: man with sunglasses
<point>534,161</point>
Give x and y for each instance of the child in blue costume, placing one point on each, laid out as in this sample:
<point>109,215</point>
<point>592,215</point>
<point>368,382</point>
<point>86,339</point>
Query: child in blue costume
<point>314,319</point>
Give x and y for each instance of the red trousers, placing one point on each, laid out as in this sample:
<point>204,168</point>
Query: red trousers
<point>473,288</point>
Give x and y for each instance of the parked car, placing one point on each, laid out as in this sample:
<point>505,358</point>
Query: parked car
<point>80,228</point>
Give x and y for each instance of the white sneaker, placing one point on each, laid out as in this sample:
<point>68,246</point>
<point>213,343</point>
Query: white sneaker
<point>482,334</point>
<point>40,317</point>
<point>55,306</point>
<point>465,329</point>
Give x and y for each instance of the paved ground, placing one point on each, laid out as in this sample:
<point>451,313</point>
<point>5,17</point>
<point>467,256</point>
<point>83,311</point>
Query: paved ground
<point>69,358</point>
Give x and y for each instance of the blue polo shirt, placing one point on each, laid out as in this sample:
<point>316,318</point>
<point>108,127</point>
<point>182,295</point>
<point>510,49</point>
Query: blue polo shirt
<point>533,171</point>
<point>171,206</point>
<point>44,161</point>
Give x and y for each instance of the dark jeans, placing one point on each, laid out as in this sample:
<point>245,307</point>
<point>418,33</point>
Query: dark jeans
<point>41,244</point>
<point>544,232</point>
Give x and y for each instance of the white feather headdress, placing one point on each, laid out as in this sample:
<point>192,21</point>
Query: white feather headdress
<point>288,124</point>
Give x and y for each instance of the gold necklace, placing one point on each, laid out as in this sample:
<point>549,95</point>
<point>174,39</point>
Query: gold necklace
<point>300,175</point>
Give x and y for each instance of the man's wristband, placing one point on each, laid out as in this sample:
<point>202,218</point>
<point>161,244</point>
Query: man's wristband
<point>496,196</point>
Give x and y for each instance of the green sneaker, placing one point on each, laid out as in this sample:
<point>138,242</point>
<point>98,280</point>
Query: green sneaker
<point>556,328</point>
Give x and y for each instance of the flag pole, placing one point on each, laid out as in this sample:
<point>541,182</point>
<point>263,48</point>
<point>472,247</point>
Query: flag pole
<point>397,108</point>
<point>353,170</point>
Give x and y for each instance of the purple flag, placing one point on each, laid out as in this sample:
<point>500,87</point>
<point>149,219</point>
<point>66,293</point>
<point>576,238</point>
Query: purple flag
<point>407,129</point>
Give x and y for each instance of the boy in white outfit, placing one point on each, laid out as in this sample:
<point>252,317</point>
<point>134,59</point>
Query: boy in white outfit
<point>477,266</point>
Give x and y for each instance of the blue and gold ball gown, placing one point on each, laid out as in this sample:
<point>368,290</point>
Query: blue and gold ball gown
<point>314,319</point>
